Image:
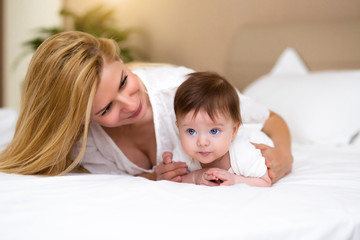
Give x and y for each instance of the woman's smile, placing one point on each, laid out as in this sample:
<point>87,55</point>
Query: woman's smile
<point>135,114</point>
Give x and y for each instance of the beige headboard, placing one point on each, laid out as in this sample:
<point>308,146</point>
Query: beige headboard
<point>322,46</point>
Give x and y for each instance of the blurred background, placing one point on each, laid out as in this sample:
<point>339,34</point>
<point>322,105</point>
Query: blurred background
<point>193,33</point>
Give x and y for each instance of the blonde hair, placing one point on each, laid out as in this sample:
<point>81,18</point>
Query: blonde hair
<point>56,102</point>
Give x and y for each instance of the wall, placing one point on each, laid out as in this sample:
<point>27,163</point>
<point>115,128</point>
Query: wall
<point>194,33</point>
<point>197,33</point>
<point>1,52</point>
<point>22,17</point>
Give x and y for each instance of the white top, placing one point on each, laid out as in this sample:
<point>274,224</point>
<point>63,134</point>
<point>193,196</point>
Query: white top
<point>245,159</point>
<point>102,155</point>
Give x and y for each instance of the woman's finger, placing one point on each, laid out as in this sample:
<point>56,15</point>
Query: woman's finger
<point>260,146</point>
<point>267,162</point>
<point>172,170</point>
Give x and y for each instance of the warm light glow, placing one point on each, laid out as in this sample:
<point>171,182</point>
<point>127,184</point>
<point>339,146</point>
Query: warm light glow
<point>114,2</point>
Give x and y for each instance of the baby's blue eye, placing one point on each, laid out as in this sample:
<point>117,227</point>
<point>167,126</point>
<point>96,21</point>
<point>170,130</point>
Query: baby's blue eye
<point>191,131</point>
<point>214,131</point>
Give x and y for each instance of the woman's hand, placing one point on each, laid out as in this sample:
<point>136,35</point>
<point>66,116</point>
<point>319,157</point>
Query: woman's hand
<point>279,159</point>
<point>169,170</point>
<point>279,162</point>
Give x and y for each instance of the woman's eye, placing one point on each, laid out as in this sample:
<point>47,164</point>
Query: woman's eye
<point>123,82</point>
<point>107,109</point>
<point>214,131</point>
<point>191,131</point>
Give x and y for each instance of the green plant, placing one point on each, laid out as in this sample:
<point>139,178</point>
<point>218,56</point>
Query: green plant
<point>98,22</point>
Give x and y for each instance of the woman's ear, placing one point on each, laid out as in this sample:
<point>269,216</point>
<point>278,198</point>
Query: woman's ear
<point>235,130</point>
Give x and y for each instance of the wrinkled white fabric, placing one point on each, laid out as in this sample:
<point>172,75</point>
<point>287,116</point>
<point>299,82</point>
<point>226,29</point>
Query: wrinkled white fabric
<point>319,199</point>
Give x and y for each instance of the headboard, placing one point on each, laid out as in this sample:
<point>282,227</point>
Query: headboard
<point>321,45</point>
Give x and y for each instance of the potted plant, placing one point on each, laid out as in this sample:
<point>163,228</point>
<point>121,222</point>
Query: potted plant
<point>98,22</point>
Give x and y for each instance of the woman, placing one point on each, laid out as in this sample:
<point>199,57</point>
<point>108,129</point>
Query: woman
<point>79,98</point>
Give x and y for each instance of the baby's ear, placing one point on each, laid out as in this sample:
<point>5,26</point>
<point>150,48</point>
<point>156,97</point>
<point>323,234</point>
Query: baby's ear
<point>235,130</point>
<point>176,123</point>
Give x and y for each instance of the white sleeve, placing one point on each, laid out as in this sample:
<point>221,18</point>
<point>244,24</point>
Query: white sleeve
<point>246,160</point>
<point>180,156</point>
<point>165,77</point>
<point>251,111</point>
<point>254,135</point>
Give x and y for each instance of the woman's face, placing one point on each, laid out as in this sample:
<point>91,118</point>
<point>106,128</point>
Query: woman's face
<point>120,98</point>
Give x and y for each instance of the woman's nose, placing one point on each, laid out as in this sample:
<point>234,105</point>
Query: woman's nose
<point>128,103</point>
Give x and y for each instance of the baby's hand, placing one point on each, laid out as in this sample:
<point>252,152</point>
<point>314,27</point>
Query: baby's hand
<point>200,177</point>
<point>206,178</point>
<point>221,176</point>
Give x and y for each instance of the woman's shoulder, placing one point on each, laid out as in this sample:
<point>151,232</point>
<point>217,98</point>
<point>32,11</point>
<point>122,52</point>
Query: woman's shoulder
<point>160,75</point>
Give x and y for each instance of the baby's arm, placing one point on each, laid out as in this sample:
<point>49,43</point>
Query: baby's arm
<point>231,179</point>
<point>200,177</point>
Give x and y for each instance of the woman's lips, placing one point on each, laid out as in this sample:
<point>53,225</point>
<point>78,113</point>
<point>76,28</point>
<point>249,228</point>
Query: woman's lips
<point>137,111</point>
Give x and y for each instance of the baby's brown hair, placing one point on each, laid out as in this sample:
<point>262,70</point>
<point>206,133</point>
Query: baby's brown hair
<point>208,91</point>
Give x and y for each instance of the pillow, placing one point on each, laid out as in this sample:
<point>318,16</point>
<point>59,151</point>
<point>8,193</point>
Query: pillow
<point>319,107</point>
<point>289,62</point>
<point>8,118</point>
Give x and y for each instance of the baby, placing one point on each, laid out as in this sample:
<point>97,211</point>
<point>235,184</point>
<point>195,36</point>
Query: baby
<point>208,118</point>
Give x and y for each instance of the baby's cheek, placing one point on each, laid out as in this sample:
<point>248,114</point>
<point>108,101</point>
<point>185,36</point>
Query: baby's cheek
<point>187,146</point>
<point>223,146</point>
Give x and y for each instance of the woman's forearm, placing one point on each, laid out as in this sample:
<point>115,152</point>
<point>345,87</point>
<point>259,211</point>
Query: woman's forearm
<point>281,160</point>
<point>150,176</point>
<point>276,128</point>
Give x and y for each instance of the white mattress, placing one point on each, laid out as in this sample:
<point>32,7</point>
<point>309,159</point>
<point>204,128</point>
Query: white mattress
<point>320,199</point>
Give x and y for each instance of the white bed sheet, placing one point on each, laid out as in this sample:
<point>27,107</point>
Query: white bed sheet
<point>320,199</point>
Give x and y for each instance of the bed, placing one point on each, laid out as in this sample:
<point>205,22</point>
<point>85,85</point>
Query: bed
<point>319,199</point>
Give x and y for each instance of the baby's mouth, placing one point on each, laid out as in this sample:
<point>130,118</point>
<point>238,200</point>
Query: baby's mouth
<point>204,154</point>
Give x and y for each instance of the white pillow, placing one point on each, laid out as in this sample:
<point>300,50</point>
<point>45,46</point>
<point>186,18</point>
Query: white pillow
<point>319,107</point>
<point>289,62</point>
<point>8,118</point>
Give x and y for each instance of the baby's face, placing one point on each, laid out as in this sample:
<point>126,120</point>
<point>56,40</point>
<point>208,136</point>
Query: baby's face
<point>204,139</point>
